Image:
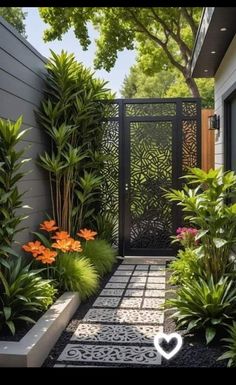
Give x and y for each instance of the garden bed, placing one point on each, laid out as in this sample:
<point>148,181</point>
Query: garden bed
<point>194,352</point>
<point>34,347</point>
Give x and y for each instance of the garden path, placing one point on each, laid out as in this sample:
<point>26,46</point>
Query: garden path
<point>119,328</point>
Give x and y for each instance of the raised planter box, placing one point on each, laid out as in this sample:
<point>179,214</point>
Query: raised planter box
<point>34,347</point>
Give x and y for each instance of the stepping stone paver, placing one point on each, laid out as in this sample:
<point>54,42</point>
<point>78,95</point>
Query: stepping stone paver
<point>106,302</point>
<point>136,285</point>
<point>138,279</point>
<point>131,302</point>
<point>120,326</point>
<point>154,293</point>
<point>159,286</point>
<point>116,333</point>
<point>156,280</point>
<point>117,354</point>
<point>126,267</point>
<point>122,273</point>
<point>124,316</point>
<point>142,267</point>
<point>134,293</point>
<point>119,279</point>
<point>157,267</point>
<point>152,303</point>
<point>139,273</point>
<point>113,292</point>
<point>115,285</point>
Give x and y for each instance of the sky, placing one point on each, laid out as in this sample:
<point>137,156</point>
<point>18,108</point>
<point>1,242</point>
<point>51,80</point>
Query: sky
<point>34,30</point>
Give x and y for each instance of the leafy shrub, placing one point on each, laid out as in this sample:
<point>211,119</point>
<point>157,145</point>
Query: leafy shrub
<point>74,273</point>
<point>100,254</point>
<point>185,267</point>
<point>204,305</point>
<point>10,173</point>
<point>23,292</point>
<point>208,206</point>
<point>230,354</point>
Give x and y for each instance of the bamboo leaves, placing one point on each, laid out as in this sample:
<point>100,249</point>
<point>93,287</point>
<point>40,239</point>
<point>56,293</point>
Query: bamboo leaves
<point>71,115</point>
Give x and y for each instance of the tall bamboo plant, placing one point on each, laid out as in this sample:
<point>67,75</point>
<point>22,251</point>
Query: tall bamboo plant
<point>72,115</point>
<point>11,162</point>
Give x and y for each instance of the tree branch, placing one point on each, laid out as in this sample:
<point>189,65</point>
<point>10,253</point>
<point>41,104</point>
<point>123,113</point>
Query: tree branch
<point>190,20</point>
<point>186,51</point>
<point>162,44</point>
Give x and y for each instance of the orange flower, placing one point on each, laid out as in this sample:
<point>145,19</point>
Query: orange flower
<point>48,226</point>
<point>35,248</point>
<point>47,256</point>
<point>87,234</point>
<point>75,246</point>
<point>61,235</point>
<point>63,244</point>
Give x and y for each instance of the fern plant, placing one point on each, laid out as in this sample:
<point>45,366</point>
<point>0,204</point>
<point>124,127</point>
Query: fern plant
<point>10,173</point>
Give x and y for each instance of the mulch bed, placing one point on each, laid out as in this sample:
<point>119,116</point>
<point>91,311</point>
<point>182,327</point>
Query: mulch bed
<point>194,352</point>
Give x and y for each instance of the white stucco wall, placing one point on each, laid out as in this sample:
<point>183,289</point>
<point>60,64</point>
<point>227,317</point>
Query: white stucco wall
<point>224,79</point>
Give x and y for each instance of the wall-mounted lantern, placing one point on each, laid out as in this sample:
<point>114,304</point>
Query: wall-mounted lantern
<point>214,122</point>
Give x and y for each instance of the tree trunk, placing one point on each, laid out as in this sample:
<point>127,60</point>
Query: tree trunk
<point>193,87</point>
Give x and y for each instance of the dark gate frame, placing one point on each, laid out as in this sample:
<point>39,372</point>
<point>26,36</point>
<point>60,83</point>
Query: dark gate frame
<point>182,115</point>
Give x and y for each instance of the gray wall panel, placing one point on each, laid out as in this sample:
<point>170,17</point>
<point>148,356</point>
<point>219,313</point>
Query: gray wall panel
<point>22,70</point>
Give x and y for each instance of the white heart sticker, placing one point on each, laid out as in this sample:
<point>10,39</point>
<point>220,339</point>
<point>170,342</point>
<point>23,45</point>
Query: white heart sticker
<point>167,337</point>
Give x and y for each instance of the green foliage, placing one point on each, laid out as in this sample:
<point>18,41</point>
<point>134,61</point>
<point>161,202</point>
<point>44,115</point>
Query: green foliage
<point>11,162</point>
<point>100,254</point>
<point>186,267</point>
<point>72,115</point>
<point>106,226</point>
<point>74,273</point>
<point>230,354</point>
<point>23,293</point>
<point>162,36</point>
<point>166,83</point>
<point>207,205</point>
<point>204,304</point>
<point>16,17</point>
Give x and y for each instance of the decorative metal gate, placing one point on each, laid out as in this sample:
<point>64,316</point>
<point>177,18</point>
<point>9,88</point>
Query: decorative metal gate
<point>150,143</point>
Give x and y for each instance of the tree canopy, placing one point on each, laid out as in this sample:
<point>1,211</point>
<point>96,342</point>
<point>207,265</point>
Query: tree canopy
<point>160,35</point>
<point>16,17</point>
<point>164,84</point>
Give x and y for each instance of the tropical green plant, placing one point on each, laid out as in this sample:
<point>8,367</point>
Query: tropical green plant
<point>208,205</point>
<point>204,305</point>
<point>72,115</point>
<point>186,267</point>
<point>100,254</point>
<point>230,354</point>
<point>74,273</point>
<point>23,293</point>
<point>11,162</point>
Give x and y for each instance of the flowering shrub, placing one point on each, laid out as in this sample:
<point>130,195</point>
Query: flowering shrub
<point>187,236</point>
<point>69,269</point>
<point>63,243</point>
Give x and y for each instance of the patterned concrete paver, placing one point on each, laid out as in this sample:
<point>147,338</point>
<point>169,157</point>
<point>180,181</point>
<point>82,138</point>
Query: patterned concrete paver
<point>120,326</point>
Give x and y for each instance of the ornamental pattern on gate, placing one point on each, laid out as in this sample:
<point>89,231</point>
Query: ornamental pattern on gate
<point>120,327</point>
